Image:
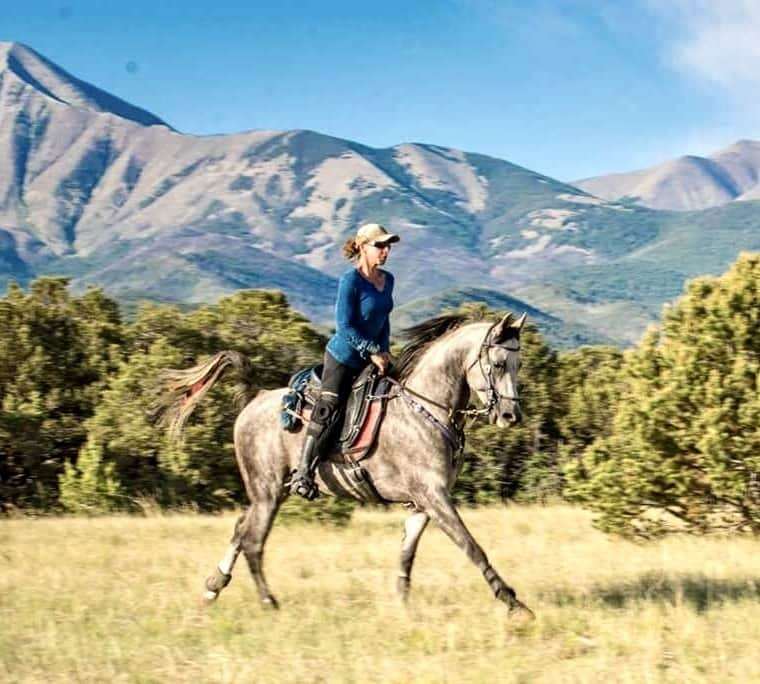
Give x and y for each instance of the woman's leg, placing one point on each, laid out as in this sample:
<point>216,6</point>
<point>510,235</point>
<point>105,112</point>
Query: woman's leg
<point>336,383</point>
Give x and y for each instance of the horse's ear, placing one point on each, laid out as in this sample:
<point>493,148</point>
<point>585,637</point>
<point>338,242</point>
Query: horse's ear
<point>501,329</point>
<point>520,322</point>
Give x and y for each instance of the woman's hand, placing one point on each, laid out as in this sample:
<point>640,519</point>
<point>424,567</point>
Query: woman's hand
<point>383,360</point>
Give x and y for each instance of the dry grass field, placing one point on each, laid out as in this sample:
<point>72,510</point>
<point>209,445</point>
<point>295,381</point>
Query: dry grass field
<point>116,600</point>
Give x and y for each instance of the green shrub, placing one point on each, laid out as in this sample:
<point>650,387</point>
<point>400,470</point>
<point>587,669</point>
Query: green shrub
<point>91,486</point>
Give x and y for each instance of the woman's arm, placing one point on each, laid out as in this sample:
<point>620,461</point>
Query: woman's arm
<point>385,336</point>
<point>345,306</point>
<point>385,331</point>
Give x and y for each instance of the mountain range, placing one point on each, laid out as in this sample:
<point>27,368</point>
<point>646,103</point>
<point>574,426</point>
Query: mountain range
<point>110,195</point>
<point>688,183</point>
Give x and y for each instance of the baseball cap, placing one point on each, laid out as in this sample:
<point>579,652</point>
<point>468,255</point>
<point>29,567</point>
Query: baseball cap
<point>374,232</point>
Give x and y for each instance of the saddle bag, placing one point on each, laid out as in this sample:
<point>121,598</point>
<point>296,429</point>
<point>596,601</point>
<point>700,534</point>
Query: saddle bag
<point>304,391</point>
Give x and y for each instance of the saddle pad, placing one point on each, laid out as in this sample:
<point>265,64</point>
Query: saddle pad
<point>358,447</point>
<point>365,438</point>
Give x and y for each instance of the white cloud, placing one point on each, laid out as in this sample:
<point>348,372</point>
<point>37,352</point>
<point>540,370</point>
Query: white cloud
<point>717,41</point>
<point>715,45</point>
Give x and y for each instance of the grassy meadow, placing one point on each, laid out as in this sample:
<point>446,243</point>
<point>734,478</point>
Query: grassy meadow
<point>116,599</point>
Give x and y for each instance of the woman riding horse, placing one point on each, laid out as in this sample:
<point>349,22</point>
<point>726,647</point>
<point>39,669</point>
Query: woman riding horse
<point>362,333</point>
<point>415,461</point>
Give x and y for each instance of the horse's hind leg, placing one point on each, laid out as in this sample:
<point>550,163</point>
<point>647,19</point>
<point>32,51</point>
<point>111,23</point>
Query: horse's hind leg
<point>414,526</point>
<point>254,533</point>
<point>223,571</point>
<point>442,511</point>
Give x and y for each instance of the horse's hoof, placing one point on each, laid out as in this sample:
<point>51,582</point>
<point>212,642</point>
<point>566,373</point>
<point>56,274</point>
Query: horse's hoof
<point>520,614</point>
<point>270,602</point>
<point>209,597</point>
<point>218,581</point>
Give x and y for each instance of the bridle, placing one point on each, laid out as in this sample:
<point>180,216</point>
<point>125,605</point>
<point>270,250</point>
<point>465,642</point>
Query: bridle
<point>454,431</point>
<point>492,394</point>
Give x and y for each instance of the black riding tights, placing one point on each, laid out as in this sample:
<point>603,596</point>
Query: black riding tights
<point>336,386</point>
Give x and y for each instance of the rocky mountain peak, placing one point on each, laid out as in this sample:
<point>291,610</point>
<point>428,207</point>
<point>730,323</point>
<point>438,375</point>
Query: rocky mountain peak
<point>34,71</point>
<point>689,182</point>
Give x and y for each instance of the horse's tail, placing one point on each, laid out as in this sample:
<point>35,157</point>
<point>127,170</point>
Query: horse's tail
<point>181,390</point>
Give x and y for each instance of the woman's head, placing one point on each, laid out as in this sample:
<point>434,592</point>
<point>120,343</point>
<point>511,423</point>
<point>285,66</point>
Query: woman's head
<point>371,244</point>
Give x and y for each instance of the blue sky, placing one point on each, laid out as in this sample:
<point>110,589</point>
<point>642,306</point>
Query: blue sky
<point>567,88</point>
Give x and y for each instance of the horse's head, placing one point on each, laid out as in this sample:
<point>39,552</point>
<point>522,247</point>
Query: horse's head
<point>492,375</point>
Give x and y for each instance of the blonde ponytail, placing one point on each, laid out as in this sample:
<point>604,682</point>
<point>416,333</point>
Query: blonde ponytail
<point>351,249</point>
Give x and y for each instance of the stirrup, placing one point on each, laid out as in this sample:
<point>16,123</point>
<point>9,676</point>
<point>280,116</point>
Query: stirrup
<point>304,486</point>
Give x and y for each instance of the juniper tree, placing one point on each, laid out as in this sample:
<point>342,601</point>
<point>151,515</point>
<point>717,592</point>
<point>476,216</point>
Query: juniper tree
<point>684,450</point>
<point>201,471</point>
<point>56,351</point>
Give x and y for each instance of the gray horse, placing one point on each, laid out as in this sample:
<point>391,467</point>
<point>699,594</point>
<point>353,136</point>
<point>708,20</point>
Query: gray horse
<point>415,460</point>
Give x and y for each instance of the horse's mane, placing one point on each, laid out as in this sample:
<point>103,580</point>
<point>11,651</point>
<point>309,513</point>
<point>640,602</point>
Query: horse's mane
<point>422,335</point>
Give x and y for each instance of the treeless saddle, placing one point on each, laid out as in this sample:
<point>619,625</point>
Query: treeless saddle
<point>361,416</point>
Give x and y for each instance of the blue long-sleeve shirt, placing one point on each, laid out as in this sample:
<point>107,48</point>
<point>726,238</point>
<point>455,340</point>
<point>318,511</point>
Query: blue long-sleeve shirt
<point>362,319</point>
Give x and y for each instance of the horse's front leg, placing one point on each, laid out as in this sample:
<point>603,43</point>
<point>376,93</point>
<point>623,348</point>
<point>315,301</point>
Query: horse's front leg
<point>414,526</point>
<point>439,506</point>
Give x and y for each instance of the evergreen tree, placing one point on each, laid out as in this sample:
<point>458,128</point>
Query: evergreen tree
<point>90,486</point>
<point>586,395</point>
<point>55,353</point>
<point>201,471</point>
<point>684,450</point>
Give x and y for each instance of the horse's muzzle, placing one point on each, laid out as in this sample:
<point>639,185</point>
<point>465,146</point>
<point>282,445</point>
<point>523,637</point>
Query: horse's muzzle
<point>511,415</point>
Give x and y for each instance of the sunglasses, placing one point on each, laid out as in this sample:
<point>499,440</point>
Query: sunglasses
<point>381,245</point>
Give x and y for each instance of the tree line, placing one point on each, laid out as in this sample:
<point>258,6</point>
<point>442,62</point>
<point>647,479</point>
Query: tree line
<point>661,437</point>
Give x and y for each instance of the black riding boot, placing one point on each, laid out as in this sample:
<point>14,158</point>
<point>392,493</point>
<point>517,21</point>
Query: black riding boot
<point>302,480</point>
<point>315,442</point>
